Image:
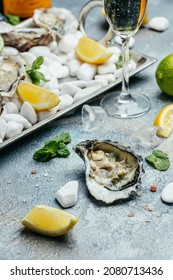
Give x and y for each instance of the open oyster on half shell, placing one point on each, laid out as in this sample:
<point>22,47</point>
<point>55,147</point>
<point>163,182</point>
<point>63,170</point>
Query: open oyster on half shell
<point>59,21</point>
<point>113,171</point>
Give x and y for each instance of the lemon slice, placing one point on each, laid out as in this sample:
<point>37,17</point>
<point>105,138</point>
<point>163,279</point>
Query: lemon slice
<point>91,51</point>
<point>49,221</point>
<point>39,98</point>
<point>164,119</point>
<point>1,43</point>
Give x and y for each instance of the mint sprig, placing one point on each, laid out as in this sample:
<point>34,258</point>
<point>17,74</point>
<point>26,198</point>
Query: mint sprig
<point>56,147</point>
<point>159,160</point>
<point>35,75</point>
<point>12,19</point>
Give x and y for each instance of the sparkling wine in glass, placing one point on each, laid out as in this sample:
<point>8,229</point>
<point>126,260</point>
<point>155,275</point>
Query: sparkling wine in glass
<point>125,18</point>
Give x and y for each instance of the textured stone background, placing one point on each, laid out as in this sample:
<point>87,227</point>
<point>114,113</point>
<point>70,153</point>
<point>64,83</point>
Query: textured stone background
<point>103,232</point>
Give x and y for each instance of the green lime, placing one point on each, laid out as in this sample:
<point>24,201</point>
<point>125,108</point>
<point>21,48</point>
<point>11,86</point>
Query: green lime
<point>164,75</point>
<point>1,43</point>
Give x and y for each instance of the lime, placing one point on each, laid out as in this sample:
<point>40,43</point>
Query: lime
<point>164,75</point>
<point>1,43</point>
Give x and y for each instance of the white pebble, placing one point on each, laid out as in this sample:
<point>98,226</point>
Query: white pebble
<point>68,43</point>
<point>1,141</point>
<point>115,50</point>
<point>85,93</point>
<point>40,51</point>
<point>11,108</point>
<point>106,69</point>
<point>17,102</point>
<point>4,112</point>
<point>63,57</point>
<point>18,119</point>
<point>3,126</point>
<point>118,73</point>
<point>56,91</point>
<point>52,46</point>
<point>66,101</point>
<point>78,34</point>
<point>68,194</point>
<point>69,89</point>
<point>42,115</point>
<point>51,84</point>
<point>30,57</point>
<point>108,77</point>
<point>118,40</point>
<point>71,56</point>
<point>167,193</point>
<point>13,128</point>
<point>56,50</point>
<point>132,65</point>
<point>28,112</point>
<point>97,82</point>
<point>113,59</point>
<point>9,51</point>
<point>58,71</point>
<point>86,72</point>
<point>159,23</point>
<point>74,66</point>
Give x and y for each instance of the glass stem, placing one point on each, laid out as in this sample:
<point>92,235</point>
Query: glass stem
<point>125,95</point>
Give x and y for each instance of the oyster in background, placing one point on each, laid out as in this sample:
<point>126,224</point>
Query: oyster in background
<point>113,171</point>
<point>24,38</point>
<point>10,75</point>
<point>59,21</point>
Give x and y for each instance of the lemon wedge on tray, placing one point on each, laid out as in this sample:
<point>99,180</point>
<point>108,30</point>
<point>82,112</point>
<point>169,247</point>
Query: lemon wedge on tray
<point>164,119</point>
<point>91,51</point>
<point>39,98</point>
<point>49,221</point>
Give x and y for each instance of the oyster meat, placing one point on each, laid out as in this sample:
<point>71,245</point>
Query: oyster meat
<point>59,21</point>
<point>24,38</point>
<point>113,171</point>
<point>10,75</point>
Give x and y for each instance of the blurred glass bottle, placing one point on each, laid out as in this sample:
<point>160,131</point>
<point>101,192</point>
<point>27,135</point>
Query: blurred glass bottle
<point>24,8</point>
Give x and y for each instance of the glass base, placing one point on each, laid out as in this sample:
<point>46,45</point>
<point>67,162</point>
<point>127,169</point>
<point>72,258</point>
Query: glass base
<point>138,105</point>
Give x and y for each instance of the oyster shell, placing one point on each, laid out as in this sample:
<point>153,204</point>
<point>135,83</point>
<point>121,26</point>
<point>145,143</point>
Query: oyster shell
<point>1,104</point>
<point>24,38</point>
<point>10,75</point>
<point>113,171</point>
<point>59,21</point>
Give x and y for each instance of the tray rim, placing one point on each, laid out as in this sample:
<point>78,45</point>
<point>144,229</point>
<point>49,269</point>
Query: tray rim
<point>149,60</point>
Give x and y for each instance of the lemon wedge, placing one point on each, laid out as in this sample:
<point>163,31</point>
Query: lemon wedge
<point>49,221</point>
<point>39,98</point>
<point>164,119</point>
<point>91,51</point>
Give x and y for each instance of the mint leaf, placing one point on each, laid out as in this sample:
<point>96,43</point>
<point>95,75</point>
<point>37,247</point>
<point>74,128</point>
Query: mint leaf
<point>13,20</point>
<point>41,155</point>
<point>36,76</point>
<point>41,76</point>
<point>52,148</point>
<point>159,160</point>
<point>37,63</point>
<point>63,137</point>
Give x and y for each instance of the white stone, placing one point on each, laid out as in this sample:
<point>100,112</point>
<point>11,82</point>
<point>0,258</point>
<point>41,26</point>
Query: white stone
<point>28,112</point>
<point>40,51</point>
<point>18,119</point>
<point>118,40</point>
<point>108,77</point>
<point>11,108</point>
<point>159,23</point>
<point>86,72</point>
<point>9,51</point>
<point>132,65</point>
<point>53,45</point>
<point>118,73</point>
<point>56,50</point>
<point>57,70</point>
<point>56,91</point>
<point>13,128</point>
<point>71,56</point>
<point>97,82</point>
<point>3,126</point>
<point>167,193</point>
<point>29,57</point>
<point>74,66</point>
<point>1,141</point>
<point>106,69</point>
<point>85,93</point>
<point>115,50</point>
<point>42,115</point>
<point>80,84</point>
<point>63,57</point>
<point>4,112</point>
<point>78,34</point>
<point>51,84</point>
<point>68,43</point>
<point>66,101</point>
<point>69,89</point>
<point>17,102</point>
<point>68,194</point>
<point>113,59</point>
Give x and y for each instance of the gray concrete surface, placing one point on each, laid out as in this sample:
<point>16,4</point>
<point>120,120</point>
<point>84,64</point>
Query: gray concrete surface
<point>103,232</point>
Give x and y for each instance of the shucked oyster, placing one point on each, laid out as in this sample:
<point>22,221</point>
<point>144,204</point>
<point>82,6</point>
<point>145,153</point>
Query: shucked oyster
<point>10,75</point>
<point>59,21</point>
<point>24,38</point>
<point>112,170</point>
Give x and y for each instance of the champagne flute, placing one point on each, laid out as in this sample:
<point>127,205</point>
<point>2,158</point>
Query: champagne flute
<point>125,18</point>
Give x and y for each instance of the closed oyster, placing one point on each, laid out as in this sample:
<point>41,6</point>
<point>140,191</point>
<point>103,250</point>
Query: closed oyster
<point>10,75</point>
<point>24,38</point>
<point>59,21</point>
<point>113,171</point>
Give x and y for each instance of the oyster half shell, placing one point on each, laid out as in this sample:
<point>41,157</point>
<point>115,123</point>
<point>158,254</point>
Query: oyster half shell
<point>113,171</point>
<point>59,21</point>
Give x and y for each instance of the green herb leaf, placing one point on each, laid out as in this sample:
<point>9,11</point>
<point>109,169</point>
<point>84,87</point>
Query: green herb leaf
<point>37,63</point>
<point>13,20</point>
<point>158,160</point>
<point>42,155</point>
<point>63,137</point>
<point>52,147</point>
<point>36,76</point>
